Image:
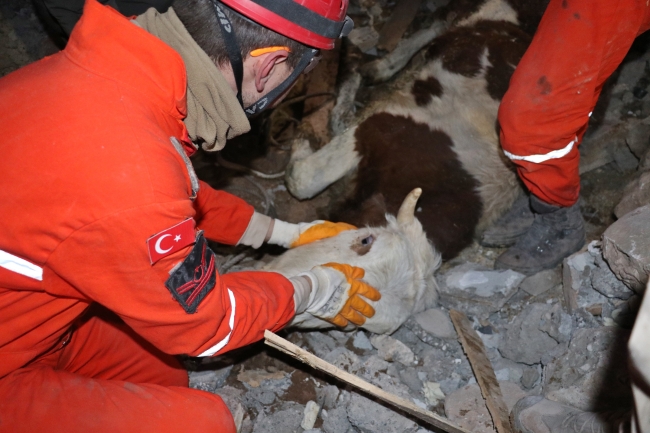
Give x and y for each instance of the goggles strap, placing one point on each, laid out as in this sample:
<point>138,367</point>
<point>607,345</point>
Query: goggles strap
<point>232,48</point>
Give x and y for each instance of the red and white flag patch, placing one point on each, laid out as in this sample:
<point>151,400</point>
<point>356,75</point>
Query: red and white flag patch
<point>171,240</point>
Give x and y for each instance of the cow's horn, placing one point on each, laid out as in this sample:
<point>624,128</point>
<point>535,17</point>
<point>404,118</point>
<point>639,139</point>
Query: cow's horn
<point>406,212</point>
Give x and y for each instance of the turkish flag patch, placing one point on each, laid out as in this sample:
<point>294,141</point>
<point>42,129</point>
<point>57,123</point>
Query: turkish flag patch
<point>171,240</point>
<point>195,277</point>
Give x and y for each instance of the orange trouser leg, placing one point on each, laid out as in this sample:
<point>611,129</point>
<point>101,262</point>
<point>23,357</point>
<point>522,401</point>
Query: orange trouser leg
<point>107,379</point>
<point>544,113</point>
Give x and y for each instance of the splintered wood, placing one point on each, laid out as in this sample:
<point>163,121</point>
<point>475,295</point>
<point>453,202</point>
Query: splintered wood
<point>312,360</point>
<point>483,371</point>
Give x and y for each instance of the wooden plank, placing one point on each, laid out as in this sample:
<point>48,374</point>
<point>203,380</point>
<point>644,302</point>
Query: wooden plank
<point>312,360</point>
<point>483,371</point>
<point>402,16</point>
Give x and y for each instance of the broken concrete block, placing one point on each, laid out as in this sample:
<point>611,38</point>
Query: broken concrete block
<point>577,270</point>
<point>604,281</point>
<point>524,341</point>
<point>335,420</point>
<point>592,374</point>
<point>541,282</point>
<point>361,341</point>
<point>635,194</point>
<point>391,349</point>
<point>287,419</point>
<point>626,247</point>
<point>432,393</point>
<point>436,322</point>
<point>476,290</point>
<point>466,407</point>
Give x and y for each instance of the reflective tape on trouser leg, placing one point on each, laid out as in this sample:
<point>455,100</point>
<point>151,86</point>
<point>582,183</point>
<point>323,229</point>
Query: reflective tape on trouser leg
<point>539,158</point>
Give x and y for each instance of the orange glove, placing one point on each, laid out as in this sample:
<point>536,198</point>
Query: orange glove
<point>337,294</point>
<point>291,235</point>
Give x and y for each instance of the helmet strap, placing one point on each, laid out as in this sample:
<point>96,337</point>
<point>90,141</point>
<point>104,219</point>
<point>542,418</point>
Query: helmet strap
<point>232,48</point>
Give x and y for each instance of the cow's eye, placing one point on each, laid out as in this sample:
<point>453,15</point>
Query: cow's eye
<point>363,245</point>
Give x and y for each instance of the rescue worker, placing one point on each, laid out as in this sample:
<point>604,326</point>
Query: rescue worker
<point>543,117</point>
<point>105,272</point>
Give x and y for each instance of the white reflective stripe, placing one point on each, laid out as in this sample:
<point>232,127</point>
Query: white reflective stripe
<point>555,154</point>
<point>20,266</point>
<point>217,347</point>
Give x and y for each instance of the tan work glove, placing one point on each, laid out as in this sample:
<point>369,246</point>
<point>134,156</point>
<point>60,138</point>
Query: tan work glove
<point>291,235</point>
<point>337,295</point>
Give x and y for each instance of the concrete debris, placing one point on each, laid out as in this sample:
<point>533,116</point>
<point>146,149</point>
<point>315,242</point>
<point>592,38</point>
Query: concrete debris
<point>361,341</point>
<point>310,414</point>
<point>626,247</point>
<point>391,349</point>
<point>476,290</point>
<point>209,380</point>
<point>530,377</point>
<point>436,322</point>
<point>541,282</point>
<point>524,341</point>
<point>372,417</point>
<point>592,374</point>
<point>335,420</point>
<point>286,420</point>
<point>432,393</point>
<point>466,407</point>
<point>411,378</point>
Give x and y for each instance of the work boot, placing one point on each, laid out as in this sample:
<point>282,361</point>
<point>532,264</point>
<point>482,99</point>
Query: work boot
<point>556,233</point>
<point>510,226</point>
<point>536,414</point>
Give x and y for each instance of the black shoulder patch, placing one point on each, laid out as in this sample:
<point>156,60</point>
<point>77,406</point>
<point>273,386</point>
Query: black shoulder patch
<point>195,277</point>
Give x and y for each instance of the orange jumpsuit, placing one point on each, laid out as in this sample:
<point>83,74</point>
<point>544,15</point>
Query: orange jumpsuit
<point>89,176</point>
<point>553,91</point>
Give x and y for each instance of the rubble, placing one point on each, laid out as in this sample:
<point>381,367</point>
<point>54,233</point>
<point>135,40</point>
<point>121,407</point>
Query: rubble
<point>541,282</point>
<point>436,322</point>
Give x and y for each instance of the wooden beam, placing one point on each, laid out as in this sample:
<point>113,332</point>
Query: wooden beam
<point>483,371</point>
<point>312,360</point>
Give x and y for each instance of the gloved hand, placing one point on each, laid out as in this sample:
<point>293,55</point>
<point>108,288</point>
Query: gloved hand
<point>337,295</point>
<point>291,235</point>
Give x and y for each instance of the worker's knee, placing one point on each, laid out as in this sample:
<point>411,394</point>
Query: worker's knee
<point>204,411</point>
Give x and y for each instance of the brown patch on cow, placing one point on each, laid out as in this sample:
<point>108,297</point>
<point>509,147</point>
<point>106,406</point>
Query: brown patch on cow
<point>461,49</point>
<point>363,245</point>
<point>544,86</point>
<point>399,154</point>
<point>576,16</point>
<point>425,90</point>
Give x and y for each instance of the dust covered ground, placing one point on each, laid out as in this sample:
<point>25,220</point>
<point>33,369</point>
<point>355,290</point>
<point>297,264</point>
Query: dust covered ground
<point>560,333</point>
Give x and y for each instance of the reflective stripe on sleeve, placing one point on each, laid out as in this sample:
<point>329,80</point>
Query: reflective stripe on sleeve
<point>20,266</point>
<point>555,154</point>
<point>217,347</point>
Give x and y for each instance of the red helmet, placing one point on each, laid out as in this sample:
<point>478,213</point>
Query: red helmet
<point>316,23</point>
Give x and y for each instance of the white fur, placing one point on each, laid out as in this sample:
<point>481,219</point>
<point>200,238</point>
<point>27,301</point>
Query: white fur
<point>400,264</point>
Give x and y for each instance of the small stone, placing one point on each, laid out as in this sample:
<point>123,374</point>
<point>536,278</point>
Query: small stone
<point>524,341</point>
<point>328,395</point>
<point>361,341</point>
<point>530,377</point>
<point>335,420</point>
<point>541,282</point>
<point>391,349</point>
<point>436,322</point>
<point>432,393</point>
<point>410,377</point>
<point>310,414</point>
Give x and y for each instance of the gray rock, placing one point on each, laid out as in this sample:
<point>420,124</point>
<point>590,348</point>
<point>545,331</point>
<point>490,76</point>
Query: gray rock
<point>605,282</point>
<point>209,380</point>
<point>592,374</point>
<point>436,322</point>
<point>286,420</point>
<point>327,395</point>
<point>466,407</point>
<point>391,349</point>
<point>477,290</point>
<point>557,324</point>
<point>313,430</point>
<point>577,274</point>
<point>635,194</point>
<point>530,377</point>
<point>541,282</point>
<point>320,343</point>
<point>309,415</point>
<point>344,359</point>
<point>371,417</point>
<point>335,420</point>
<point>524,341</point>
<point>372,366</point>
<point>409,376</point>
<point>626,247</point>
<point>421,334</point>
<point>361,341</point>
<point>263,396</point>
